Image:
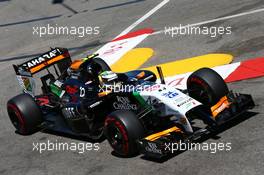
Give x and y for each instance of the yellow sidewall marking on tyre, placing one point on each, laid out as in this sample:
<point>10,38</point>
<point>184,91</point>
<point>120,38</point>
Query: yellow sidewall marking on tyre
<point>192,64</point>
<point>132,59</point>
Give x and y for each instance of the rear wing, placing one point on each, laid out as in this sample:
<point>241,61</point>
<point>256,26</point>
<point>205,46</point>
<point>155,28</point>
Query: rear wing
<point>58,58</point>
<point>44,61</point>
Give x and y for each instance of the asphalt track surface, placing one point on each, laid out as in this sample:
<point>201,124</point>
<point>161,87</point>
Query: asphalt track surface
<point>246,41</point>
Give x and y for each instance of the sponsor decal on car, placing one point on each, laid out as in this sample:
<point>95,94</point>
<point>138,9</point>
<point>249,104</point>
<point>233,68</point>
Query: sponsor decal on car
<point>185,102</point>
<point>152,147</point>
<point>124,103</point>
<point>41,59</point>
<point>220,106</point>
<point>82,92</point>
<point>170,94</point>
<point>27,84</point>
<point>71,89</point>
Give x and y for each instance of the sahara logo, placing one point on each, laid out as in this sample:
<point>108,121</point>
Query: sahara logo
<point>41,59</point>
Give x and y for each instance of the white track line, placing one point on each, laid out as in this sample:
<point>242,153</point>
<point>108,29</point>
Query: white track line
<point>214,20</point>
<point>151,12</point>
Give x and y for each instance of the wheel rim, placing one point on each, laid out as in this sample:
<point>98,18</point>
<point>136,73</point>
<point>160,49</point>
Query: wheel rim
<point>115,138</point>
<point>199,93</point>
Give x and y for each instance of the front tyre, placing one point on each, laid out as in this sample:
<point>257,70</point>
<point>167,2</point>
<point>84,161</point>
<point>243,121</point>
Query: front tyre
<point>206,86</point>
<point>122,129</point>
<point>24,114</point>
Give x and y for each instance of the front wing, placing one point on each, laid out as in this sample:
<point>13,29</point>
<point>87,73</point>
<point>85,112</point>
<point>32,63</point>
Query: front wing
<point>228,108</point>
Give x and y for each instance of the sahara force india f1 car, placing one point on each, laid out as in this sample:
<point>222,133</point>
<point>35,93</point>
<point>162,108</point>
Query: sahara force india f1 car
<point>84,98</point>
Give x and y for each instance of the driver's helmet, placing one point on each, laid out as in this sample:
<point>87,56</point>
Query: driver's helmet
<point>107,78</point>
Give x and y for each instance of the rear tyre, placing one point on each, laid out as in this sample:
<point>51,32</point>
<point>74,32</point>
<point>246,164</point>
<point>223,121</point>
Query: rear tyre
<point>122,129</point>
<point>24,114</point>
<point>206,86</point>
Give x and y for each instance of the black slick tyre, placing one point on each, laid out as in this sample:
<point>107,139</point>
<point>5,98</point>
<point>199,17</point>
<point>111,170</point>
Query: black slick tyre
<point>122,129</point>
<point>24,114</point>
<point>206,86</point>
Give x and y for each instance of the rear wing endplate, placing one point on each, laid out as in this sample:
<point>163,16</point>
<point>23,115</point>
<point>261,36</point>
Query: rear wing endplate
<point>59,58</point>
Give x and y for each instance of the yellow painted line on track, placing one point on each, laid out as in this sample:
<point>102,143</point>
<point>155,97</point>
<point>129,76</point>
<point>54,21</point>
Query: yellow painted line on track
<point>192,64</point>
<point>133,59</point>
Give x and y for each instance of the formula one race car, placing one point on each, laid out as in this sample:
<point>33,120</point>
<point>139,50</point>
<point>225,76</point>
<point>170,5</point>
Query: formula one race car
<point>133,111</point>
